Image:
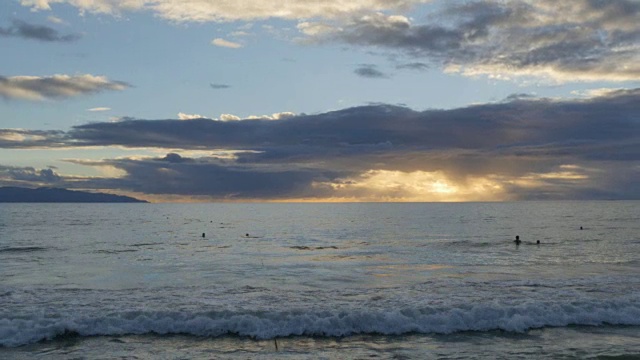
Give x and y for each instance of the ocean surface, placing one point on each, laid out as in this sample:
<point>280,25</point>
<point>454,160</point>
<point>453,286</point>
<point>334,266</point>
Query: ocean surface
<point>320,281</point>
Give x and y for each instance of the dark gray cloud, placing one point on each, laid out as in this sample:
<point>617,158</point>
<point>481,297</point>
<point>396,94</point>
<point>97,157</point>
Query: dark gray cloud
<point>519,96</point>
<point>579,40</point>
<point>219,86</point>
<point>370,71</point>
<point>37,88</point>
<point>12,175</point>
<point>529,148</point>
<point>25,139</point>
<point>413,66</point>
<point>211,177</point>
<point>25,30</point>
<point>512,122</point>
<point>175,158</point>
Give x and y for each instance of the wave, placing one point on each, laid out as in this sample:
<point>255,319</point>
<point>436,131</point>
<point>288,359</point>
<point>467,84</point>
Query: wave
<point>147,244</point>
<point>22,249</point>
<point>113,251</point>
<point>313,247</point>
<point>23,330</point>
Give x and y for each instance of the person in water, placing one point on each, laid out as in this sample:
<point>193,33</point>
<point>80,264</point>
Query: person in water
<point>517,240</point>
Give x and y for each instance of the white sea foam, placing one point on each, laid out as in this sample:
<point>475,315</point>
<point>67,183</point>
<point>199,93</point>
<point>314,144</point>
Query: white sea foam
<point>19,331</point>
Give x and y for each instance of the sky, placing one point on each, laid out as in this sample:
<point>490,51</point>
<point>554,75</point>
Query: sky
<point>322,100</point>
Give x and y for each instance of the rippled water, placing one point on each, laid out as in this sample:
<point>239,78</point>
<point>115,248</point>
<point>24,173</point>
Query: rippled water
<point>320,280</point>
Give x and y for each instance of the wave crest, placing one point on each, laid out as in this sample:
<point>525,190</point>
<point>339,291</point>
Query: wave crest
<point>267,325</point>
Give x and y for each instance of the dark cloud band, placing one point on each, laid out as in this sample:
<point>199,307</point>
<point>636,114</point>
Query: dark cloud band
<point>25,30</point>
<point>528,148</point>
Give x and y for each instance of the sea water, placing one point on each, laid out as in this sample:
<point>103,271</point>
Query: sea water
<point>330,281</point>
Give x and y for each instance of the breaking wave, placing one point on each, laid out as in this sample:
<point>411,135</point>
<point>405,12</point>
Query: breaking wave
<point>20,330</point>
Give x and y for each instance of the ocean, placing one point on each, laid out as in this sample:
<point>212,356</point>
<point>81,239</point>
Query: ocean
<point>320,281</point>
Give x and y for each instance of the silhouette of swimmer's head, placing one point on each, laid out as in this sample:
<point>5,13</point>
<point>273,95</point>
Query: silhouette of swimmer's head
<point>538,242</point>
<point>517,240</point>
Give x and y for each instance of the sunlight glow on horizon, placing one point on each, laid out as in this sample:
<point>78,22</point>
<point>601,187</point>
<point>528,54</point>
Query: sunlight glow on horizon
<point>417,186</point>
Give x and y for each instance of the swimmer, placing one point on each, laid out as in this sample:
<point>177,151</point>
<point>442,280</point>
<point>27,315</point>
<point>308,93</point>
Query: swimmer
<point>517,240</point>
<point>203,235</point>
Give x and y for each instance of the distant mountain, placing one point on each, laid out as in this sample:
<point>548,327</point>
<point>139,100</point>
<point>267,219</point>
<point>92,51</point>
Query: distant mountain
<point>54,195</point>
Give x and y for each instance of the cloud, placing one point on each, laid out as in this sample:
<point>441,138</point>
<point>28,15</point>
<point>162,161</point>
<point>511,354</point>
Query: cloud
<point>219,86</point>
<point>225,43</point>
<point>419,66</point>
<point>98,109</point>
<point>275,116</point>
<point>516,40</point>
<point>183,116</point>
<point>25,139</point>
<point>519,148</point>
<point>600,92</point>
<point>239,34</point>
<point>203,11</point>
<point>315,28</point>
<point>175,158</point>
<point>210,177</point>
<point>525,121</point>
<point>37,88</point>
<point>55,20</point>
<point>25,30</point>
<point>370,71</point>
<point>520,96</point>
<point>229,117</point>
<point>11,175</point>
<point>581,40</point>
